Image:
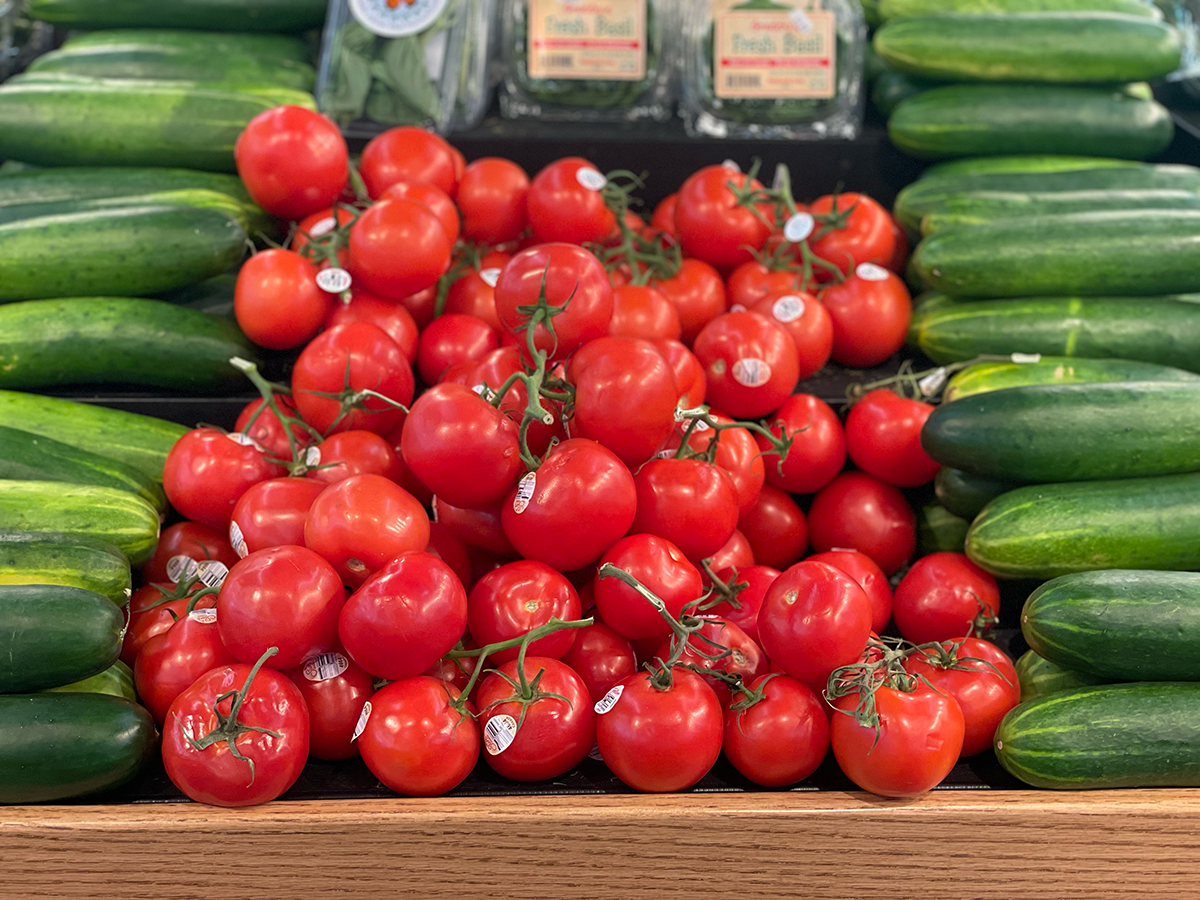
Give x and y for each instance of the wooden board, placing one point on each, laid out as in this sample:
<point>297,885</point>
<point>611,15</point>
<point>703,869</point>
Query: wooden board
<point>946,845</point>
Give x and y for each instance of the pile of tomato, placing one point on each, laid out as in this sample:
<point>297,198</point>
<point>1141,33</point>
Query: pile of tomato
<point>532,492</point>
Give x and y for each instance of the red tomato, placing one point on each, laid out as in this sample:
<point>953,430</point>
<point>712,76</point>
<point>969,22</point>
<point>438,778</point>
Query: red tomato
<point>943,596</point>
<point>207,470</point>
<point>433,197</point>
<point>152,611</point>
<point>554,735</point>
<point>389,224</point>
<point>818,450</point>
<point>755,581</point>
<point>751,364</point>
<point>362,522</point>
<point>354,453</point>
<point>980,677</point>
<point>736,552</point>
<point>514,599</point>
<point>691,384</point>
<point>265,427</point>
<point>713,225</point>
<point>276,300</point>
<point>186,539</point>
<point>662,568</point>
<point>660,741</point>
<point>883,436</point>
<point>776,528</point>
<point>863,236</point>
<point>600,657</point>
<point>312,227</point>
<point>697,293</point>
<point>292,160</point>
<point>643,312</point>
<point>814,618</point>
<point>804,318</point>
<point>919,737</point>
<point>689,502</point>
<point>752,281</point>
<point>479,527</point>
<point>565,204</point>
<point>663,218</point>
<point>474,294</point>
<point>869,577</point>
<point>273,748</point>
<point>408,153</point>
<point>858,511</point>
<point>451,339</point>
<point>272,514</point>
<point>422,305</point>
<point>491,197</point>
<point>870,316</point>
<point>715,636</point>
<point>171,661</point>
<point>390,315</point>
<point>446,546</point>
<point>781,739</point>
<point>335,690</point>
<point>737,453</point>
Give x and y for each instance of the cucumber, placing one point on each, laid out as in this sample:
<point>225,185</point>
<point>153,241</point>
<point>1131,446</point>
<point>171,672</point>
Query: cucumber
<point>892,87</point>
<point>991,165</point>
<point>1047,530</point>
<point>1108,736</point>
<point>214,296</point>
<point>116,680</point>
<point>71,560</point>
<point>274,93</point>
<point>273,47</point>
<point>984,207</point>
<point>994,376</point>
<point>25,456</point>
<point>58,745</point>
<point>1071,47</point>
<point>940,531</point>
<point>107,340</point>
<point>1004,119</point>
<point>244,15</point>
<point>1039,677</point>
<point>1161,330</point>
<point>965,493</point>
<point>52,635</point>
<point>898,9</point>
<point>1118,625</point>
<point>251,219</point>
<point>78,184</point>
<point>1043,433</point>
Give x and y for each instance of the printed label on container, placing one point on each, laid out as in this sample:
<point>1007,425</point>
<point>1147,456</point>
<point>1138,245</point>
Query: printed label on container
<point>312,456</point>
<point>245,440</point>
<point>751,372</point>
<point>587,39</point>
<point>788,309</point>
<point>204,616</point>
<point>238,540</point>
<point>609,700</point>
<point>498,734</point>
<point>591,179</point>
<point>525,489</point>
<point>397,18</point>
<point>362,721</point>
<point>180,567</point>
<point>211,572</point>
<point>784,54</point>
<point>325,666</point>
<point>489,276</point>
<point>334,280</point>
<point>799,227</point>
<point>871,272</point>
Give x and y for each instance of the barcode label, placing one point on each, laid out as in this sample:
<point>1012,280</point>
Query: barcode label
<point>558,61</point>
<point>741,81</point>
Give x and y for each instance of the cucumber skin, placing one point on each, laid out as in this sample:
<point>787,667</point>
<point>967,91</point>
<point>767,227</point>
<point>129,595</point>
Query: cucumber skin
<point>82,562</point>
<point>984,208</point>
<point>1040,677</point>
<point>1119,625</point>
<point>54,635</point>
<point>278,47</point>
<point>244,15</point>
<point>58,745</point>
<point>116,680</point>
<point>993,376</point>
<point>965,494</point>
<point>1022,163</point>
<point>1106,736</point>
<point>1044,531</point>
<point>897,9</point>
<point>79,183</point>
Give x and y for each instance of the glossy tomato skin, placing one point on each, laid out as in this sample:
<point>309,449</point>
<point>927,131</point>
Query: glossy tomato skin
<point>206,471</point>
<point>355,453</point>
<point>697,293</point>
<point>170,662</point>
<point>478,527</point>
<point>737,454</point>
<point>561,207</point>
<point>213,775</point>
<point>266,428</point>
<point>600,657</point>
<point>941,596</point>
<point>883,437</point>
<point>554,737</point>
<point>334,702</point>
<point>187,539</point>
<point>710,223</point>
<point>642,312</point>
<point>276,300</point>
<point>285,597</point>
<point>736,552</point>
<point>808,323</point>
<point>858,511</point>
<point>920,736</point>
<point>415,741</point>
<point>751,364</point>
<point>474,294</point>
<point>757,581</point>
<point>869,577</point>
<point>446,546</point>
<point>272,513</point>
<point>405,617</point>
<point>386,225</point>
<point>663,217</point>
<point>751,281</point>
<point>491,197</point>
<point>152,613</point>
<point>781,739</point>
<point>776,528</point>
<point>660,741</point>
<point>453,338</point>
<point>691,384</point>
<point>292,160</point>
<point>818,450</point>
<point>516,598</point>
<point>390,315</point>
<point>692,503</point>
<point>581,502</point>
<point>408,153</point>
<point>430,196</point>
<point>867,235</point>
<point>870,318</point>
<point>662,568</point>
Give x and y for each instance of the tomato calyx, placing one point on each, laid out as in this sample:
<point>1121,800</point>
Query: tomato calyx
<point>269,391</point>
<point>881,665</point>
<point>984,620</point>
<point>700,418</point>
<point>721,591</point>
<point>526,691</point>
<point>949,655</point>
<point>642,257</point>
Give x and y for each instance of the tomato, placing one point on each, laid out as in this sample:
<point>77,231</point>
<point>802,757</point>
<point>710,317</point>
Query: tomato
<point>187,539</point>
<point>207,470</point>
<point>478,527</point>
<point>358,356</point>
<point>689,502</point>
<point>377,233</point>
<point>715,636</point>
<point>474,294</point>
<point>430,196</point>
<point>600,657</point>
<point>659,741</point>
<point>153,610</point>
<point>691,384</point>
<point>752,281</point>
<point>272,514</point>
<point>818,450</point>
<point>662,568</point>
<point>447,547</point>
<point>422,305</point>
<point>775,527</point>
<point>804,318</point>
<point>578,504</point>
<point>883,435</point>
<point>354,453</point>
<point>782,738</point>
<point>276,299</point>
<point>415,741</point>
<point>491,197</point>
<point>171,661</point>
<point>870,317</point>
<point>451,339</point>
<point>943,596</point>
<point>362,522</point>
<point>311,227</point>
<point>869,577</point>
<point>408,153</point>
<point>286,597</point>
<point>554,735</point>
<point>565,203</point>
<point>713,225</point>
<point>514,599</point>
<point>571,277</point>
<point>292,160</point>
<point>919,737</point>
<point>979,676</point>
<point>390,315</point>
<point>737,454</point>
<point>751,364</point>
<point>643,312</point>
<point>266,428</point>
<point>273,748</point>
<point>858,511</point>
<point>697,293</point>
<point>865,235</point>
<point>335,690</point>
<point>814,618</point>
<point>755,581</point>
<point>736,552</point>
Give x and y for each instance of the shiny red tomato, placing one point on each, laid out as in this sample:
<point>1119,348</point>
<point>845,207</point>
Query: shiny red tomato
<point>662,568</point>
<point>865,234</point>
<point>776,528</point>
<point>207,470</point>
<point>408,154</point>
<point>858,511</point>
<point>755,581</point>
<point>354,453</point>
<point>750,361</point>
<point>335,690</point>
<point>752,281</point>
<point>474,294</point>
<point>697,293</point>
<point>431,196</point>
<point>447,547</point>
<point>452,339</point>
<point>693,504</point>
<point>883,437</point>
<point>153,609</point>
<point>389,224</point>
<point>781,739</point>
<point>491,197</point>
<point>565,203</point>
<point>170,662</point>
<point>478,527</point>
<point>390,315</point>
<point>313,226</point>
<point>642,312</point>
<point>600,657</point>
<point>871,311</point>
<point>265,428</point>
<point>516,598</point>
<point>804,318</point>
<point>713,225</point>
<point>422,305</point>
<point>186,539</point>
<point>691,384</point>
<point>276,300</point>
<point>818,450</point>
<point>736,552</point>
<point>869,577</point>
<point>272,514</point>
<point>292,160</point>
<point>716,636</point>
<point>942,597</point>
<point>737,453</point>
<point>663,218</point>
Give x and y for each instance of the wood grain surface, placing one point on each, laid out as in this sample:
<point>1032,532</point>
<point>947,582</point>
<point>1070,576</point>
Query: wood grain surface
<point>946,845</point>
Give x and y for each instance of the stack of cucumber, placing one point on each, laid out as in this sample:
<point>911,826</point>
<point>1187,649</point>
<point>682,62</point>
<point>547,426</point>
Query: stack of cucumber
<point>975,77</point>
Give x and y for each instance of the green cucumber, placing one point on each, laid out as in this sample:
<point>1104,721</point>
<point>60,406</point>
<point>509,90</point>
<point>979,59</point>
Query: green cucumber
<point>117,340</point>
<point>214,296</point>
<point>1047,530</point>
<point>1072,47</point>
<point>59,745</point>
<point>1023,163</point>
<point>273,47</point>
<point>892,87</point>
<point>1120,625</point>
<point>899,9</point>
<point>997,375</point>
<point>940,531</point>
<point>78,184</point>
<point>116,680</point>
<point>984,207</point>
<point>1042,433</point>
<point>1039,677</point>
<point>965,493</point>
<point>1005,119</point>
<point>71,560</point>
<point>244,15</point>
<point>252,219</point>
<point>274,93</point>
<point>1108,736</point>
<point>52,635</point>
<point>1160,330</point>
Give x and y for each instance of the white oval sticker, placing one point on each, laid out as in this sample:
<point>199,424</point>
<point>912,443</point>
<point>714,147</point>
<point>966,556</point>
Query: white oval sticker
<point>1026,359</point>
<point>325,226</point>
<point>525,489</point>
<point>211,572</point>
<point>499,733</point>
<point>180,567</point>
<point>933,382</point>
<point>325,666</point>
<point>204,616</point>
<point>245,440</point>
<point>731,165</point>
<point>362,721</point>
<point>871,272</point>
<point>489,276</point>
<point>609,700</point>
<point>334,280</point>
<point>592,179</point>
<point>799,227</point>
<point>238,540</point>
<point>312,456</point>
<point>801,21</point>
<point>788,309</point>
<point>751,372</point>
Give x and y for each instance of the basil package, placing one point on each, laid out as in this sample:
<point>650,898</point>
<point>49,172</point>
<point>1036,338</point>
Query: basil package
<point>589,60</point>
<point>774,68</point>
<point>385,63</point>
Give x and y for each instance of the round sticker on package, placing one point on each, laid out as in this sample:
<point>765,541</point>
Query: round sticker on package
<point>751,372</point>
<point>591,179</point>
<point>325,226</point>
<point>788,309</point>
<point>387,18</point>
<point>609,700</point>
<point>871,272</point>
